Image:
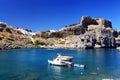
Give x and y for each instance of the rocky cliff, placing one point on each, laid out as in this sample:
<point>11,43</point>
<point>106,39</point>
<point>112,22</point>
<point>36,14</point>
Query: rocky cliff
<point>100,37</point>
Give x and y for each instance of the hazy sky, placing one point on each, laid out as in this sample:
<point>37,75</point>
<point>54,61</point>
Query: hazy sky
<point>39,15</point>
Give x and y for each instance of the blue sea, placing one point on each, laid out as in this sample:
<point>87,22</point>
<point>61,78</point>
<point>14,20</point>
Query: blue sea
<point>32,64</point>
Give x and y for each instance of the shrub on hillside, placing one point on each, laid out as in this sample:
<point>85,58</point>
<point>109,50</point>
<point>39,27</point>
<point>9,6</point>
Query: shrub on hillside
<point>37,42</point>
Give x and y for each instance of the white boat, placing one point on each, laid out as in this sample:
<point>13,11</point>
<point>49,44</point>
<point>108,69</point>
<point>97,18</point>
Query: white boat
<point>62,61</point>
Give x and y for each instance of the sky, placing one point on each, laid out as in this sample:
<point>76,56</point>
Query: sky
<point>42,15</point>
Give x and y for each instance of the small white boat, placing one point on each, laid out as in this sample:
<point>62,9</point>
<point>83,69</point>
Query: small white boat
<point>64,61</point>
<point>61,61</point>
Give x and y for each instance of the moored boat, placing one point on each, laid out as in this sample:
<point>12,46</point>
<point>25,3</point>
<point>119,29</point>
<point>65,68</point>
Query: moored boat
<point>61,61</point>
<point>64,61</point>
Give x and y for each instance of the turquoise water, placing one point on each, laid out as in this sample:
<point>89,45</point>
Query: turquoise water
<point>31,64</point>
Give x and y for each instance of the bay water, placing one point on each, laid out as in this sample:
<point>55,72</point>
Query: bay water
<point>32,64</point>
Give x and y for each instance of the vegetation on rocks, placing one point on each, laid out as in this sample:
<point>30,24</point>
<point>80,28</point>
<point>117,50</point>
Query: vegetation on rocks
<point>37,43</point>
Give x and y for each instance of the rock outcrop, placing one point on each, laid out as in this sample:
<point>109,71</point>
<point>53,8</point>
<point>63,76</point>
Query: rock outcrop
<point>86,24</point>
<point>93,23</point>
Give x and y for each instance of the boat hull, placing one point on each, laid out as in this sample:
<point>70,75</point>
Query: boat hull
<point>56,63</point>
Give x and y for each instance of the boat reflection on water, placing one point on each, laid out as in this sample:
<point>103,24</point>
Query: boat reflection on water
<point>55,69</point>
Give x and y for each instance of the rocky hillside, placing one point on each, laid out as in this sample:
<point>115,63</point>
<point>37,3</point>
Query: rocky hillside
<point>89,33</point>
<point>12,38</point>
<point>6,28</point>
<point>69,30</point>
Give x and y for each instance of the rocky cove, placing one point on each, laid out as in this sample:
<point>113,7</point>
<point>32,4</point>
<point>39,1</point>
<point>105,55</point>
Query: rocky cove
<point>89,33</point>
